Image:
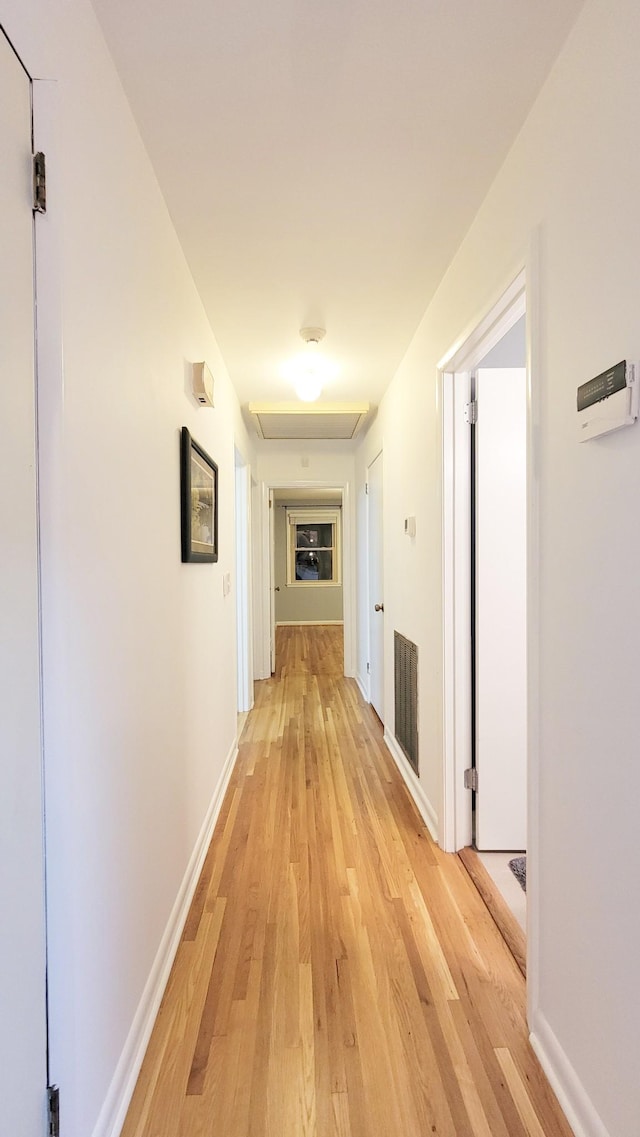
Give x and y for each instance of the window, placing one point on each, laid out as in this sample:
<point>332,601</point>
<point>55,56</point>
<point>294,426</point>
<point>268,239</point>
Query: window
<point>313,552</point>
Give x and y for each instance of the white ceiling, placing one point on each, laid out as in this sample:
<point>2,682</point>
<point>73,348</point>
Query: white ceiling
<point>321,163</point>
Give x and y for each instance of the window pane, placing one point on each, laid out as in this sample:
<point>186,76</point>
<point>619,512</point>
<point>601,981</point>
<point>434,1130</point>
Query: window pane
<point>307,567</point>
<point>312,565</point>
<point>316,536</point>
<point>325,565</point>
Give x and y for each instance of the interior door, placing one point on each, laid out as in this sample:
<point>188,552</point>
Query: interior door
<point>376,588</point>
<point>500,609</point>
<point>23,1038</point>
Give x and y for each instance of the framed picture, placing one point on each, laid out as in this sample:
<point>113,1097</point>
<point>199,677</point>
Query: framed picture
<point>198,501</point>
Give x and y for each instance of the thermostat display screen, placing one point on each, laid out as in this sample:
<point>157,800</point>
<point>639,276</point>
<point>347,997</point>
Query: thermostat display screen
<point>615,379</point>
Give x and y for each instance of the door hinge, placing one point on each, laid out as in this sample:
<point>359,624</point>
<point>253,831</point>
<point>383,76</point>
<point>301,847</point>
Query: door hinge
<point>53,1100</point>
<point>366,487</point>
<point>471,412</point>
<point>39,183</point>
<point>368,669</point>
<point>471,779</point>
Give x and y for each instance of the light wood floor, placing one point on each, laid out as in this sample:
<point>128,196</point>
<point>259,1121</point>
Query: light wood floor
<point>338,976</point>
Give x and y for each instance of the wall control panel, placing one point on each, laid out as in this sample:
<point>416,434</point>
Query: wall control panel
<point>609,401</point>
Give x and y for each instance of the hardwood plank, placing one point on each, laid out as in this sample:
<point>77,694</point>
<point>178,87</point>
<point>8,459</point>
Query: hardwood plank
<point>339,976</point>
<point>519,1094</point>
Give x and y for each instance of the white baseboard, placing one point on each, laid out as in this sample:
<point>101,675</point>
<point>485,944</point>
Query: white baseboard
<point>308,623</point>
<point>118,1099</point>
<point>364,687</point>
<point>576,1104</point>
<point>425,808</point>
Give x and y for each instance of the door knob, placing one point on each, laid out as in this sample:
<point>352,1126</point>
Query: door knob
<point>379,607</point>
<point>277,588</point>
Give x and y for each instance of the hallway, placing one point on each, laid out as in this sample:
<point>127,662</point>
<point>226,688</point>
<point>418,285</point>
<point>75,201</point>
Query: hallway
<point>338,975</point>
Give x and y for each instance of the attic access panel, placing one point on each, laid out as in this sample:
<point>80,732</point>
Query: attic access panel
<point>337,421</point>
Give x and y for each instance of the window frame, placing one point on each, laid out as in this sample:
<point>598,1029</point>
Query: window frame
<point>297,517</point>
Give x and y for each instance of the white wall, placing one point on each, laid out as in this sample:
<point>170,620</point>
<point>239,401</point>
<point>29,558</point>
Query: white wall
<point>291,463</point>
<point>406,430</point>
<point>139,695</point>
<point>569,184</point>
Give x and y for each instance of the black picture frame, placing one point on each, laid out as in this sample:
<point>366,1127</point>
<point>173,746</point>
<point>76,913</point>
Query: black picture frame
<point>198,502</point>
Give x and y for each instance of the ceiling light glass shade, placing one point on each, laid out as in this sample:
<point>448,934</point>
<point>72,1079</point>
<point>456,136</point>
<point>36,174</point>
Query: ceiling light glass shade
<point>308,386</point>
<point>309,372</point>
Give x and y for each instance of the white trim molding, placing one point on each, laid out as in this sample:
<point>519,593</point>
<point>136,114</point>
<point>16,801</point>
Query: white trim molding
<point>117,1101</point>
<point>363,684</point>
<point>576,1104</point>
<point>414,785</point>
<point>455,831</point>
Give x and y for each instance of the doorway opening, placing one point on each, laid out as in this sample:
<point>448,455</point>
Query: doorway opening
<point>307,575</point>
<point>486,415</point>
<point>307,563</point>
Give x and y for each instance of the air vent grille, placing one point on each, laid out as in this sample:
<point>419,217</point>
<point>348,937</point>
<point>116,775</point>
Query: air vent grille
<point>293,420</point>
<point>405,656</point>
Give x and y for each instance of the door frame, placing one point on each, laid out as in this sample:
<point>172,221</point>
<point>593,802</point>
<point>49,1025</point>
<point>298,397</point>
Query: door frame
<point>50,400</point>
<point>50,457</point>
<point>49,404</point>
<point>265,591</point>
<point>371,599</point>
<point>24,949</point>
<point>521,295</point>
<point>454,388</point>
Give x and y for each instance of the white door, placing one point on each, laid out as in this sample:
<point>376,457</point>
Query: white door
<point>376,588</point>
<point>22,937</point>
<point>500,596</point>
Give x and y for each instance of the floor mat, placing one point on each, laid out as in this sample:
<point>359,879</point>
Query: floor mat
<point>518,867</point>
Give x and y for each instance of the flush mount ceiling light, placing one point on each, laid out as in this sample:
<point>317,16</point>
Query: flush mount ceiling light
<point>310,369</point>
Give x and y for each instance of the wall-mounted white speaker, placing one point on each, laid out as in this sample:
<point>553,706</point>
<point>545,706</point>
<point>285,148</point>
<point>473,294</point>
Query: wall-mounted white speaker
<point>203,384</point>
